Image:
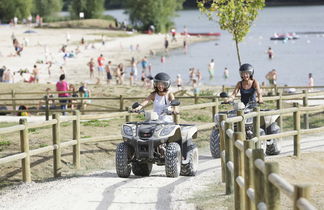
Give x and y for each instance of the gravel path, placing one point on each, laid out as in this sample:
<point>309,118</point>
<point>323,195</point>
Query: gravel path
<point>104,190</point>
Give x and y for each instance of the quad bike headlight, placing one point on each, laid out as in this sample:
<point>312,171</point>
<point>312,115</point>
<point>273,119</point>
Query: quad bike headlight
<point>128,130</point>
<point>166,130</point>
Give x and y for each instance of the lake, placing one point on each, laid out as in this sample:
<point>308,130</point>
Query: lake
<point>293,59</point>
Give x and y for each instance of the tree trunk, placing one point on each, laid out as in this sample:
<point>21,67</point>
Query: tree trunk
<point>237,49</point>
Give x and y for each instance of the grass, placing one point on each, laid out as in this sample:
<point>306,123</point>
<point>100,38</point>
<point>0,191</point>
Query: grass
<point>195,117</point>
<point>96,123</point>
<point>213,195</point>
<point>85,24</point>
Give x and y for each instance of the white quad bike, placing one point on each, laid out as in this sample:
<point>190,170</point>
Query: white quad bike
<point>160,141</point>
<point>268,125</point>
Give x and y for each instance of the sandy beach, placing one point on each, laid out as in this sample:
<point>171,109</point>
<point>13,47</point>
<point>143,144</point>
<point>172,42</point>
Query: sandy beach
<point>45,45</point>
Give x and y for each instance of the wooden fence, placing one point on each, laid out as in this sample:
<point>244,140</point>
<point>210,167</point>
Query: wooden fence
<point>15,100</point>
<point>257,184</point>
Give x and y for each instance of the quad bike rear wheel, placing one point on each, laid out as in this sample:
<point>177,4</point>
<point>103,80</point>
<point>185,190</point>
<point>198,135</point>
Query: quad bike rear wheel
<point>190,169</point>
<point>141,169</point>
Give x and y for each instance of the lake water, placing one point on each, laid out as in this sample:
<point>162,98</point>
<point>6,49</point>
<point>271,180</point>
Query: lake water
<point>293,59</point>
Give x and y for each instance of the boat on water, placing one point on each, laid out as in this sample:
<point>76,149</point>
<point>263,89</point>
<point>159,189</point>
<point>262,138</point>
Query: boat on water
<point>285,36</point>
<point>200,34</point>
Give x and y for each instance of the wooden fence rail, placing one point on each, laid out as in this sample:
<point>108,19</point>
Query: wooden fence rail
<point>257,184</point>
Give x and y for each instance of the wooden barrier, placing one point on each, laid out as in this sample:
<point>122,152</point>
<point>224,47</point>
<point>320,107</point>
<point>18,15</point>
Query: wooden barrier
<point>260,185</point>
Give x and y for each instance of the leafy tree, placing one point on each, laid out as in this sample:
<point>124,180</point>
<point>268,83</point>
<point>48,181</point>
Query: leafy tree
<point>90,8</point>
<point>143,13</point>
<point>235,16</point>
<point>47,8</point>
<point>15,8</point>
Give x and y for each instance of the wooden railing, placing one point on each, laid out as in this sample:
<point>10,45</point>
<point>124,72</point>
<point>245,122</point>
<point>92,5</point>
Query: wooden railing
<point>257,184</point>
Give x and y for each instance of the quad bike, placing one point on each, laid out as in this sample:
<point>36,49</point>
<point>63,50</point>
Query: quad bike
<point>268,126</point>
<point>160,141</point>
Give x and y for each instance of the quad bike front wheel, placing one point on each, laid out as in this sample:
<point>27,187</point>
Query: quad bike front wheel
<point>215,143</point>
<point>141,169</point>
<point>190,169</point>
<point>173,160</point>
<point>123,167</point>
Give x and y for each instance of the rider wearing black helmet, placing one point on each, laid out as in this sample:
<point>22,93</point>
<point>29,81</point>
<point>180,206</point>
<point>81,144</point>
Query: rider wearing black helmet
<point>161,96</point>
<point>248,86</point>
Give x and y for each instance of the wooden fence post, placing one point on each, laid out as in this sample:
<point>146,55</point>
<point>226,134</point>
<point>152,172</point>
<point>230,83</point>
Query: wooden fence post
<point>46,108</point>
<point>121,103</point>
<point>57,151</point>
<point>13,96</point>
<point>228,157</point>
<point>82,103</point>
<point>272,193</point>
<point>279,106</point>
<point>222,118</point>
<point>248,174</point>
<point>241,124</point>
<point>76,136</point>
<point>305,104</point>
<point>176,118</point>
<point>239,193</point>
<point>256,126</point>
<point>215,108</point>
<point>258,177</point>
<point>196,98</point>
<point>24,146</point>
<point>297,128</point>
<point>301,191</point>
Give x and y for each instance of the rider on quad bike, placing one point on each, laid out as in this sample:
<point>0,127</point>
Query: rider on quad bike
<point>157,140</point>
<point>248,88</point>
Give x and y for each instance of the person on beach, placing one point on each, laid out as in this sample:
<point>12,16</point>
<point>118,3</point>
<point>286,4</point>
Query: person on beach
<point>144,64</point>
<point>101,64</point>
<point>310,81</point>
<point>91,65</point>
<point>2,70</point>
<point>133,70</point>
<point>7,76</point>
<point>192,75</point>
<point>62,85</point>
<point>161,96</point>
<point>272,77</point>
<point>85,93</point>
<point>211,67</point>
<point>108,69</point>
<point>226,73</point>
<point>248,86</point>
<point>36,73</point>
<point>179,82</point>
<point>18,47</point>
<point>120,73</point>
<point>199,77</point>
<point>166,44</point>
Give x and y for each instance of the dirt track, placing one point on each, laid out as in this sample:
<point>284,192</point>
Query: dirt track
<point>104,190</point>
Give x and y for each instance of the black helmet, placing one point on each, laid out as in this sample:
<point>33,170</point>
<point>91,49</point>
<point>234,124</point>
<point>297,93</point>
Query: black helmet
<point>164,78</point>
<point>247,68</point>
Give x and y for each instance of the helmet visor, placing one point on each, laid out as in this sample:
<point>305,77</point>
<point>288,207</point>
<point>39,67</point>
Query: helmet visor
<point>242,73</point>
<point>162,84</point>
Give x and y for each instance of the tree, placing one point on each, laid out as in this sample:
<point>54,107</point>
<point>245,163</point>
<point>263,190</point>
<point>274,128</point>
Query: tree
<point>143,13</point>
<point>235,16</point>
<point>47,8</point>
<point>90,8</point>
<point>15,8</point>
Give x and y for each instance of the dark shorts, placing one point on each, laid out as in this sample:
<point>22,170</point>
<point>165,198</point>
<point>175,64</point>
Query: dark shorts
<point>109,75</point>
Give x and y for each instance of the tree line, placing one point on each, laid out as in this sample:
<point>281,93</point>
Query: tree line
<point>143,13</point>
